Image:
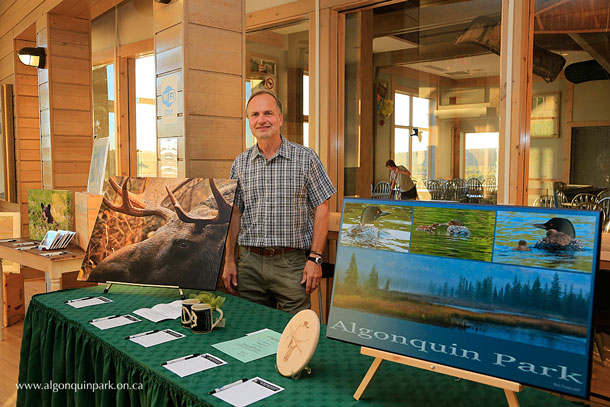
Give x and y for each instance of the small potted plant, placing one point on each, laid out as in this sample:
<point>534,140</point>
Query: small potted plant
<point>215,302</point>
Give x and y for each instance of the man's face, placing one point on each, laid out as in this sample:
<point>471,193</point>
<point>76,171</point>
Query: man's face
<point>264,117</point>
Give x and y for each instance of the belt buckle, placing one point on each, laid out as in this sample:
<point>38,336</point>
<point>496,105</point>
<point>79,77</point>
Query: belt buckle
<point>271,249</point>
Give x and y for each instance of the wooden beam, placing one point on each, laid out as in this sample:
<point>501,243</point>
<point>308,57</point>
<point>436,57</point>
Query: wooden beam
<point>433,53</point>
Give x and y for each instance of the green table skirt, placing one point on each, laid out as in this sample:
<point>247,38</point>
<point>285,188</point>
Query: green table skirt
<point>59,347</point>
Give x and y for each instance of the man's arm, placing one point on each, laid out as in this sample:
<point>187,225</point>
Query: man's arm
<point>312,273</point>
<point>229,275</point>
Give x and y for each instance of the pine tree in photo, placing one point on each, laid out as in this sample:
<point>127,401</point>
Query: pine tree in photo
<point>373,282</point>
<point>351,277</point>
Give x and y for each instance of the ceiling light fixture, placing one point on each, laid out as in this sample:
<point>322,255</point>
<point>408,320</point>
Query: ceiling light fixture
<point>30,56</point>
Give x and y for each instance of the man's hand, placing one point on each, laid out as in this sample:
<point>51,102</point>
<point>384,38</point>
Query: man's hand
<point>229,277</point>
<point>312,273</point>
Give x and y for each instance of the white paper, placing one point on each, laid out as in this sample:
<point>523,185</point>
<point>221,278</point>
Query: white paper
<point>87,302</point>
<point>161,312</point>
<point>185,367</point>
<point>248,392</point>
<point>113,322</point>
<point>155,338</point>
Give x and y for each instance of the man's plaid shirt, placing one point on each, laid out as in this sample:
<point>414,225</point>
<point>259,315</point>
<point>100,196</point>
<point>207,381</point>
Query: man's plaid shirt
<point>277,197</point>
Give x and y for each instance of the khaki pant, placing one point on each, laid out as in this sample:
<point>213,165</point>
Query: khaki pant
<point>274,281</point>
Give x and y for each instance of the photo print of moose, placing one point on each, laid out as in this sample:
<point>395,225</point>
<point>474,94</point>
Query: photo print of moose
<point>160,231</point>
<point>502,291</point>
<point>49,210</point>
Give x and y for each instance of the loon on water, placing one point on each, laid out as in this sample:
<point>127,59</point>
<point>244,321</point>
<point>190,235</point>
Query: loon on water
<point>457,228</point>
<point>560,235</point>
<point>366,233</point>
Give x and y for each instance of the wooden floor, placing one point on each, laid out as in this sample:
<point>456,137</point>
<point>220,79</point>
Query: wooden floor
<point>9,350</point>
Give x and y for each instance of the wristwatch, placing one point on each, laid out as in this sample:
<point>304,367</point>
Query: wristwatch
<point>317,260</point>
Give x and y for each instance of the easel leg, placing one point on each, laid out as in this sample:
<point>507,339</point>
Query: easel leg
<point>107,288</point>
<point>367,378</point>
<point>511,397</point>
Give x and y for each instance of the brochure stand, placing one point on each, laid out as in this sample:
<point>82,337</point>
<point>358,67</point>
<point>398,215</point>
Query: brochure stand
<point>510,388</point>
<point>110,283</point>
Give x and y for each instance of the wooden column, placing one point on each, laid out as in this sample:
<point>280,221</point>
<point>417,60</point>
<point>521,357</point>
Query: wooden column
<point>199,44</point>
<point>64,89</point>
<point>364,95</point>
<point>27,133</point>
<point>515,99</point>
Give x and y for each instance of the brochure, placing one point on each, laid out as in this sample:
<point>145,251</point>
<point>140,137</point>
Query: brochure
<point>161,312</point>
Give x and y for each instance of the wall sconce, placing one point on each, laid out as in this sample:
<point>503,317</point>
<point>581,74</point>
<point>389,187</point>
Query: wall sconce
<point>32,56</point>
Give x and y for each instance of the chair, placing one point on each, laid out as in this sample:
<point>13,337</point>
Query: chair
<point>490,190</point>
<point>544,201</point>
<point>474,190</point>
<point>450,192</point>
<point>381,190</point>
<point>604,203</point>
<point>592,206</point>
<point>562,200</point>
<point>460,189</point>
<point>604,193</point>
<point>580,198</point>
<point>435,189</point>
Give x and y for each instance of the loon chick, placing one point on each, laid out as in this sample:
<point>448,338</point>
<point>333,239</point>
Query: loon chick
<point>427,228</point>
<point>560,235</point>
<point>370,214</point>
<point>457,228</point>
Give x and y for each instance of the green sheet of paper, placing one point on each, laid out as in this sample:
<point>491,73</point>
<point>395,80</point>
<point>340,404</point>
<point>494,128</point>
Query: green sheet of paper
<point>251,347</point>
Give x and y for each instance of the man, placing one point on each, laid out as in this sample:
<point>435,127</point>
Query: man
<point>280,212</point>
<point>403,176</point>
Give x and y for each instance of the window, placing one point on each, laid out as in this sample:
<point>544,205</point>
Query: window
<point>146,117</point>
<point>103,111</point>
<point>411,115</point>
<point>481,155</point>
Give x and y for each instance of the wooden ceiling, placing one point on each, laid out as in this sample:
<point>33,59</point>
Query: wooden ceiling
<point>87,9</point>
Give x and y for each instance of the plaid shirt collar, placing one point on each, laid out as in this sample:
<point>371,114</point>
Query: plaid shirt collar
<point>284,151</point>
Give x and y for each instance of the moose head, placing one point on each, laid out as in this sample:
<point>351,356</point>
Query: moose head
<point>185,251</point>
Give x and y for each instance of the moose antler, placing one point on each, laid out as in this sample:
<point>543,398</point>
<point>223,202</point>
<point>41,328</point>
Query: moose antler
<point>223,208</point>
<point>132,206</point>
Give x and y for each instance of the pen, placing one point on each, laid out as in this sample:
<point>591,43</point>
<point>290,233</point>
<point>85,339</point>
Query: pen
<point>169,362</point>
<point>8,240</point>
<point>102,319</point>
<point>142,334</point>
<point>228,386</point>
<point>78,299</point>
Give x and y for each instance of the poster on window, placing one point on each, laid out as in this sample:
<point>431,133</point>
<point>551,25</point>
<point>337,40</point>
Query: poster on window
<point>502,291</point>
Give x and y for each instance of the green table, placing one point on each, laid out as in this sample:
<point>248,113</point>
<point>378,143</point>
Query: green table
<point>60,346</point>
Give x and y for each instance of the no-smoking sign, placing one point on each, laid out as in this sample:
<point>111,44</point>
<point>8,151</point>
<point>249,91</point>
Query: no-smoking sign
<point>269,83</point>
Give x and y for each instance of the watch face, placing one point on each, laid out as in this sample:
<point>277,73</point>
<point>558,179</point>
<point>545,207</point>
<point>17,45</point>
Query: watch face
<point>317,260</point>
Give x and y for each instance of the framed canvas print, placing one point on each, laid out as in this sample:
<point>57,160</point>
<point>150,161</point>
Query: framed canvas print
<point>545,115</point>
<point>160,231</point>
<point>49,209</point>
<point>97,169</point>
<point>502,291</point>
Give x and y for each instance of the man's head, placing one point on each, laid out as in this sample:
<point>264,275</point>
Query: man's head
<point>390,164</point>
<point>264,112</point>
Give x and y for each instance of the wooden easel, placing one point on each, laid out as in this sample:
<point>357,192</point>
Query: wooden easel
<point>510,388</point>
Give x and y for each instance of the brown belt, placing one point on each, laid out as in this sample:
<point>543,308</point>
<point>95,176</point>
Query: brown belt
<point>269,251</point>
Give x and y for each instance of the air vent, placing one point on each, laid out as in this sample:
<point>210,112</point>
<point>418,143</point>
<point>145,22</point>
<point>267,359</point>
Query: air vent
<point>435,68</point>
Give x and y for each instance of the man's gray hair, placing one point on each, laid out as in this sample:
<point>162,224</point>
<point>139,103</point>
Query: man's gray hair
<point>278,102</point>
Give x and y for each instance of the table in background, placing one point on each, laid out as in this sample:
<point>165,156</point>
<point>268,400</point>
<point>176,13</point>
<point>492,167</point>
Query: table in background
<point>53,267</point>
<point>59,345</point>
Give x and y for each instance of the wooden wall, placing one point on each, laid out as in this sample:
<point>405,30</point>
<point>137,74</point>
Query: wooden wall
<point>69,96</point>
<point>201,44</point>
